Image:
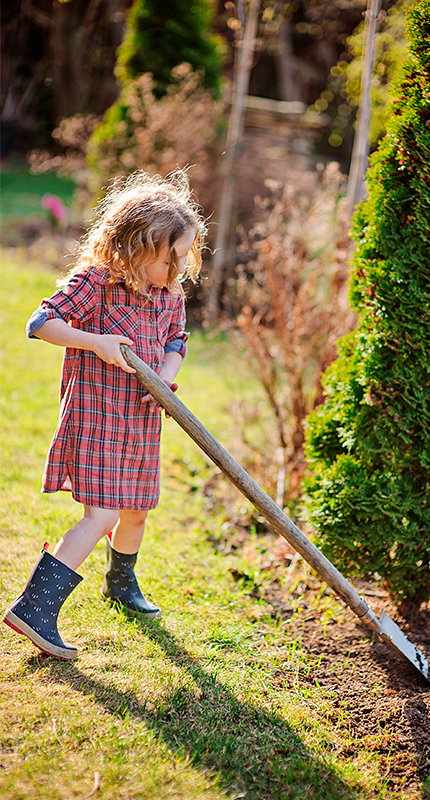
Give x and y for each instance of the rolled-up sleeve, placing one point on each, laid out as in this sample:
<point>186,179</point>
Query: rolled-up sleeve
<point>37,319</point>
<point>75,301</point>
<point>177,337</point>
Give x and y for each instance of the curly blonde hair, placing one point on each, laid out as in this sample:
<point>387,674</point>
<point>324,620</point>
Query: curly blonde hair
<point>137,217</point>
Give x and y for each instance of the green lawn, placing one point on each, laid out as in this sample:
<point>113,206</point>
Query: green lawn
<point>200,706</point>
<point>21,193</point>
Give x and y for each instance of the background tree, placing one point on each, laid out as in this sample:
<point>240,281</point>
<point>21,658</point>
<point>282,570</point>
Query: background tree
<point>158,135</point>
<point>341,96</point>
<point>165,116</point>
<point>159,36</point>
<point>390,54</point>
<point>57,59</point>
<point>369,446</point>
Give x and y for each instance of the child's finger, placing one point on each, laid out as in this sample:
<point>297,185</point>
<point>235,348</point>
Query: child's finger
<point>174,387</point>
<point>123,364</point>
<point>152,404</point>
<point>121,361</point>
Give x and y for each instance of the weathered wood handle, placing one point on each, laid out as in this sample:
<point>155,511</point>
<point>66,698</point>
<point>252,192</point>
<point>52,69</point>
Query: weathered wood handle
<point>262,502</point>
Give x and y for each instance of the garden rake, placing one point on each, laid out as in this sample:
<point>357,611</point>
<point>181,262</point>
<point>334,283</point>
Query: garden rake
<point>386,628</point>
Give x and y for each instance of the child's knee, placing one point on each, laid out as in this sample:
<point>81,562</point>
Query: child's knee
<point>102,519</point>
<point>109,523</point>
<point>136,519</point>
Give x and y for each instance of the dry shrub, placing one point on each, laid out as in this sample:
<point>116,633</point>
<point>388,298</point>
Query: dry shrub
<point>142,132</point>
<point>291,303</point>
<point>160,135</point>
<point>72,136</point>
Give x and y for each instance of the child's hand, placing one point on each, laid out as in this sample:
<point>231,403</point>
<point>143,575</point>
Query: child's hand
<point>107,347</point>
<point>152,404</point>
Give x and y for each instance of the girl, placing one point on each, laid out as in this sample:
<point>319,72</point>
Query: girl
<point>106,449</point>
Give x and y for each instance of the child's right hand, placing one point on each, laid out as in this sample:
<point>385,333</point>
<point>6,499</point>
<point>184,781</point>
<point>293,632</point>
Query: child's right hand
<point>107,347</point>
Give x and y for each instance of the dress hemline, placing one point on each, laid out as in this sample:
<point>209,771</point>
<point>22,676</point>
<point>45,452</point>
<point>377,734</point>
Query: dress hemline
<point>86,502</point>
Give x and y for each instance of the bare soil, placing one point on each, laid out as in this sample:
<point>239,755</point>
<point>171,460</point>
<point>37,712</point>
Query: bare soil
<point>382,701</point>
<point>375,698</point>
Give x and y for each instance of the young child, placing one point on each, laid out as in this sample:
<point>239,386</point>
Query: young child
<point>125,288</point>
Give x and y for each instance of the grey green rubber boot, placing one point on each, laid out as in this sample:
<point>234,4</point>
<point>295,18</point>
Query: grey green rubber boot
<point>120,584</point>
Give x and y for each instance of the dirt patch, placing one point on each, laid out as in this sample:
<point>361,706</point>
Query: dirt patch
<point>375,699</point>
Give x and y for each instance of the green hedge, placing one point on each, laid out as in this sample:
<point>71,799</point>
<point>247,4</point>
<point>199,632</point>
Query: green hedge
<point>369,445</point>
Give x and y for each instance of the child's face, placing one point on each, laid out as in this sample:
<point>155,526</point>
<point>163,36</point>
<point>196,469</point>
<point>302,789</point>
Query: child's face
<point>157,271</point>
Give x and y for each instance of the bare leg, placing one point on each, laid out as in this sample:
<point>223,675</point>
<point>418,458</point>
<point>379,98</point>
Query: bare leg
<point>128,532</point>
<point>74,547</point>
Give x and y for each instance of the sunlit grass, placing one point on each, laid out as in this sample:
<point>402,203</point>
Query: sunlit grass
<point>208,703</point>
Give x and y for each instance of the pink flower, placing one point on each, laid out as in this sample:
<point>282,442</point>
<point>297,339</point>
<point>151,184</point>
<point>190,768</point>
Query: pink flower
<point>54,204</point>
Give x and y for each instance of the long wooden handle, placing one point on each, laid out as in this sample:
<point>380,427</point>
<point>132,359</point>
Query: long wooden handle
<point>262,502</point>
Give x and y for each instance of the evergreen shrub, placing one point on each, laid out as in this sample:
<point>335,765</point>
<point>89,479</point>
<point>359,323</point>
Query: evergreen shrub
<point>161,35</point>
<point>167,114</point>
<point>369,446</point>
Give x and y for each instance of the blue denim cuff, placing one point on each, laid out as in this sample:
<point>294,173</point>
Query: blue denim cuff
<point>37,319</point>
<point>176,346</point>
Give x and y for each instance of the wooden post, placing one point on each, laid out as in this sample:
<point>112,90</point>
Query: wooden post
<point>235,128</point>
<point>360,153</point>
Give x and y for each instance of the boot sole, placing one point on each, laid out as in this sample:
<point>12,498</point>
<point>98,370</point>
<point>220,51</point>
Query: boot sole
<point>148,615</point>
<point>50,649</point>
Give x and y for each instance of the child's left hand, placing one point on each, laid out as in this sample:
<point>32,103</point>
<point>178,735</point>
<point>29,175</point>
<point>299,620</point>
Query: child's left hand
<point>152,403</point>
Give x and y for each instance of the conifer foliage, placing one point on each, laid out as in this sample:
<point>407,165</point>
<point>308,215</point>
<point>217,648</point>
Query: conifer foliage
<point>166,115</point>
<point>369,445</point>
<point>161,35</point>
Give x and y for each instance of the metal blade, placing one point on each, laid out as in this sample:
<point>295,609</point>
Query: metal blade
<point>395,637</point>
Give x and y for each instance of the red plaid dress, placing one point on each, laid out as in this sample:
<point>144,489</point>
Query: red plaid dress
<point>107,442</point>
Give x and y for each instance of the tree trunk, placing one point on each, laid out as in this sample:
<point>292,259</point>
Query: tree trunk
<point>286,64</point>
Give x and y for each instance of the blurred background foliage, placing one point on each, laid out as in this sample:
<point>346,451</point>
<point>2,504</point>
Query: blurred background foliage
<point>341,97</point>
<point>60,59</point>
<point>183,36</point>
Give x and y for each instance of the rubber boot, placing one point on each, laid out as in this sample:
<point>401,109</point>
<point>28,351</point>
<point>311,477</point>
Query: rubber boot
<point>34,613</point>
<point>120,584</point>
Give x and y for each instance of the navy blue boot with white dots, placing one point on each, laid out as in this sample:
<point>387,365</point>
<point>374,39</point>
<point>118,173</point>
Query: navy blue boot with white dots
<point>34,613</point>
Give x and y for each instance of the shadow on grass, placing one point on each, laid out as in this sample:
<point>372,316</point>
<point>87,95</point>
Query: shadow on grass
<point>255,752</point>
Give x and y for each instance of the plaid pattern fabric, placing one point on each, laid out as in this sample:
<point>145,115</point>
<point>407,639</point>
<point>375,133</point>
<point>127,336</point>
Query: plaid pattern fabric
<point>107,442</point>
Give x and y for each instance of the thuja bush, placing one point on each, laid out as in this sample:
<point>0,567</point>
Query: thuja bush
<point>369,445</point>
